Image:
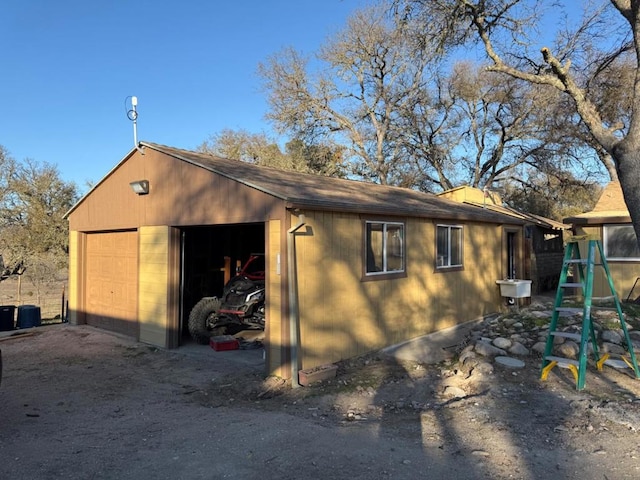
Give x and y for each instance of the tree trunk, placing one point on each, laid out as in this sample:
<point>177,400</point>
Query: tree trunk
<point>627,157</point>
<point>608,163</point>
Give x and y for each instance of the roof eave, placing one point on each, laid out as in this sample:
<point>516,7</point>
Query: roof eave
<point>527,218</point>
<point>377,210</point>
<point>598,220</point>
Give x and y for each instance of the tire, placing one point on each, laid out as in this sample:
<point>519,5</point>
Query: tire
<point>198,319</point>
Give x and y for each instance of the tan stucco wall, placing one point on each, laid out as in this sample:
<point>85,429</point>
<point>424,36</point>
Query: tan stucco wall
<point>74,316</point>
<point>274,345</point>
<point>179,194</point>
<point>341,316</point>
<point>154,279</point>
<point>472,195</point>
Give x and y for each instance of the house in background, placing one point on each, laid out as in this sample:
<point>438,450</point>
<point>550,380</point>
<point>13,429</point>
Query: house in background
<point>610,221</point>
<point>351,267</point>
<point>543,239</point>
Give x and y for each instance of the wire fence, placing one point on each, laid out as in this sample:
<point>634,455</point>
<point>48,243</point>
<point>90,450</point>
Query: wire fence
<point>52,308</point>
<point>51,298</point>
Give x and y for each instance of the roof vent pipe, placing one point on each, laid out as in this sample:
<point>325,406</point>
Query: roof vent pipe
<point>294,333</point>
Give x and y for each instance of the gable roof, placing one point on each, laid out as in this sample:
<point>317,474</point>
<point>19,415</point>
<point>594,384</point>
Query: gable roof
<point>610,208</point>
<point>301,190</point>
<point>489,200</point>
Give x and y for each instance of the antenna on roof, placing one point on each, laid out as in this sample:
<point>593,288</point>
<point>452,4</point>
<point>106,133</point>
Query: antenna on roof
<point>132,114</point>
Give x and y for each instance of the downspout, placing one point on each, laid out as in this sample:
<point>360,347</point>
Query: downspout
<point>293,300</point>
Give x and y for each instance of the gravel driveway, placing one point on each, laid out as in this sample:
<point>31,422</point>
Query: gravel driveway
<point>80,403</point>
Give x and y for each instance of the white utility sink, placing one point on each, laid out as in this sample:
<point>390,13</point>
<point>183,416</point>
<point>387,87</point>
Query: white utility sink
<point>514,288</point>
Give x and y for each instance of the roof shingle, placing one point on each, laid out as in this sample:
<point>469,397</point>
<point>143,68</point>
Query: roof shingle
<point>301,190</point>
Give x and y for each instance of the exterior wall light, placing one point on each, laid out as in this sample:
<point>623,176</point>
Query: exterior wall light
<point>140,187</point>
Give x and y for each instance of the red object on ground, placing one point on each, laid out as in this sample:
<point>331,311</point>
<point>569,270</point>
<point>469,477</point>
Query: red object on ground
<point>224,342</point>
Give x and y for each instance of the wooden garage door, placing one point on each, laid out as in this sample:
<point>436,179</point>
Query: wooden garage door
<point>112,282</point>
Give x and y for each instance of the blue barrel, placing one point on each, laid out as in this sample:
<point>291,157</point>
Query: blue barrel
<point>7,313</point>
<point>28,316</point>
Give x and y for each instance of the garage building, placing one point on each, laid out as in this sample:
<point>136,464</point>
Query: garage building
<point>351,267</point>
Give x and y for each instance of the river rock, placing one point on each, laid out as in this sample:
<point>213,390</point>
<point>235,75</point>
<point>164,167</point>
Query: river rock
<point>467,357</point>
<point>608,347</point>
<point>487,350</point>
<point>507,322</point>
<point>483,368</point>
<point>509,362</point>
<point>612,336</point>
<point>518,349</point>
<point>502,343</point>
<point>452,391</point>
<point>568,349</point>
<point>539,347</point>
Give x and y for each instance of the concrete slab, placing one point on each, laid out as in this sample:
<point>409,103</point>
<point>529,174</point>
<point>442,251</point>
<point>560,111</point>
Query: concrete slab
<point>249,358</point>
<point>433,348</point>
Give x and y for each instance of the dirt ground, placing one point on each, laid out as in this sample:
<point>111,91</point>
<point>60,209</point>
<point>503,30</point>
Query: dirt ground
<point>80,403</point>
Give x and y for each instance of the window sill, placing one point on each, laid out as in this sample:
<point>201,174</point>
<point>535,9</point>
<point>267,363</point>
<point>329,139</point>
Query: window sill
<point>449,269</point>
<point>383,276</point>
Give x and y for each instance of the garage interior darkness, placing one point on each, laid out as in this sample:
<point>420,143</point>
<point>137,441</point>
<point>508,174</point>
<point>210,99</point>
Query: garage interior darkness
<point>203,261</point>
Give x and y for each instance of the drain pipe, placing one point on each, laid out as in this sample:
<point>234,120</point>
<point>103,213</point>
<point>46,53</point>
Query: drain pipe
<point>293,299</point>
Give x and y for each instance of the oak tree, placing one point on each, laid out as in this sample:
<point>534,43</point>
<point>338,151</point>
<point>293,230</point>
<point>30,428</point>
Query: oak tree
<point>259,149</point>
<point>34,235</point>
<point>594,62</point>
<point>405,116</point>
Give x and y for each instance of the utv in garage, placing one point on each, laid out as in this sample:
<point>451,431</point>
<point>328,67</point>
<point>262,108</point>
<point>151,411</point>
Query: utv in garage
<point>241,306</point>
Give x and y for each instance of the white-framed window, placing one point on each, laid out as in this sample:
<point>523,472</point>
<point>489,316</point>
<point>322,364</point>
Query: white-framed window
<point>449,243</point>
<point>384,247</point>
<point>620,243</point>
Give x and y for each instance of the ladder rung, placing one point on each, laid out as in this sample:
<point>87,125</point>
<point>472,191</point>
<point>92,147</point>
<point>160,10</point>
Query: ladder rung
<point>562,362</point>
<point>576,260</point>
<point>615,363</point>
<point>572,285</point>
<point>574,336</point>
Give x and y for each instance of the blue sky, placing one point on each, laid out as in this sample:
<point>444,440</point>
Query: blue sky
<point>68,67</point>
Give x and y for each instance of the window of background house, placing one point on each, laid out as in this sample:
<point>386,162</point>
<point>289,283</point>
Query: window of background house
<point>448,246</point>
<point>620,243</point>
<point>384,247</point>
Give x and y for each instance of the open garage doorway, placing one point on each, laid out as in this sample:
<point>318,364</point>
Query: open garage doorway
<point>210,255</point>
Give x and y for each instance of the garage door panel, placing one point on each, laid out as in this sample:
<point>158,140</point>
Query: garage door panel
<point>112,281</point>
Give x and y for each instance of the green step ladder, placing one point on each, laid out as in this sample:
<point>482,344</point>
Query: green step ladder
<point>587,336</point>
